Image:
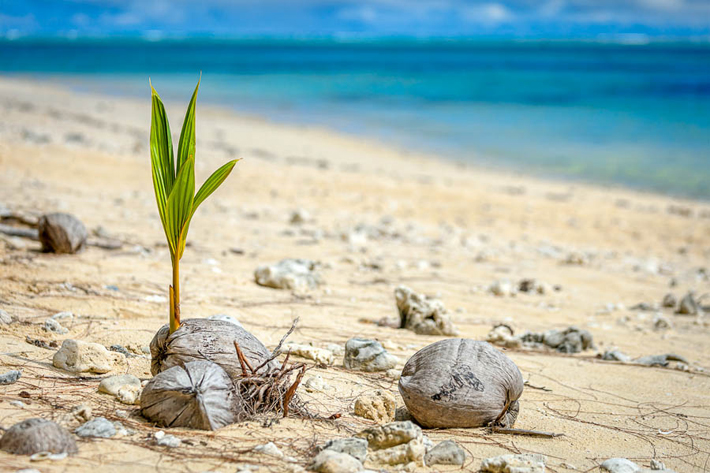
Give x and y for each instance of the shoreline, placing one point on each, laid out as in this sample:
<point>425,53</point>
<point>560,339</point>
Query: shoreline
<point>503,170</point>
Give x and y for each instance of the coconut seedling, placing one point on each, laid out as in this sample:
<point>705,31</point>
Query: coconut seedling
<point>174,184</point>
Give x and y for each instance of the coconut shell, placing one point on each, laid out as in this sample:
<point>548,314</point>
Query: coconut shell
<point>61,233</point>
<point>461,383</point>
<point>37,435</point>
<point>203,339</point>
<point>199,395</point>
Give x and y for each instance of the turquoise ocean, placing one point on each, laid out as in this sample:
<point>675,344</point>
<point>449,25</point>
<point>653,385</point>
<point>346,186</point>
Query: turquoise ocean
<point>635,115</point>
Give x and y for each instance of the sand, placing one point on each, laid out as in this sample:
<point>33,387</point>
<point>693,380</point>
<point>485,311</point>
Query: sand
<point>444,229</point>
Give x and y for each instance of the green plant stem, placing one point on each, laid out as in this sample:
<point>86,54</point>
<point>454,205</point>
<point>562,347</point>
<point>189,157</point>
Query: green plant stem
<point>175,297</point>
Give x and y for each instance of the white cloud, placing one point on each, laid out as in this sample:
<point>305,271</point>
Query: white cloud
<point>490,13</point>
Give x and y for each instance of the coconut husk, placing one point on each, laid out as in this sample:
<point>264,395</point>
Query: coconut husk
<point>461,383</point>
<point>37,435</point>
<point>61,233</point>
<point>199,395</point>
<point>203,339</point>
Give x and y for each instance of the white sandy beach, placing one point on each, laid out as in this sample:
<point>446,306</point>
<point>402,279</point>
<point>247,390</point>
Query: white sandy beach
<point>381,217</point>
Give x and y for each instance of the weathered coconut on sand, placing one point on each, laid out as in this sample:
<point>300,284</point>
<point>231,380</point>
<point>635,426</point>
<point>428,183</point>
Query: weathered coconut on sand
<point>61,233</point>
<point>37,435</point>
<point>203,339</point>
<point>199,395</point>
<point>461,383</point>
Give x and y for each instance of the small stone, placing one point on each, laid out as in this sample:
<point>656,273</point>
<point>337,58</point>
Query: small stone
<point>331,461</point>
<point>619,465</point>
<point>52,325</point>
<point>113,384</point>
<point>669,300</point>
<point>61,233</point>
<point>5,318</point>
<point>63,316</point>
<point>41,456</point>
<point>447,452</point>
<point>28,470</point>
<point>394,373</point>
<point>412,451</point>
<point>422,315</point>
<point>391,435</point>
<point>503,288</point>
<point>661,322</point>
<point>657,465</point>
<point>293,274</point>
<point>37,435</point>
<point>315,384</point>
<point>129,395</point>
<point>78,356</point>
<point>378,406</point>
<point>299,217</point>
<point>615,355</point>
<point>688,305</point>
<point>226,318</point>
<point>269,449</point>
<point>17,403</point>
<point>10,377</point>
<point>319,355</point>
<point>355,447</point>
<point>367,355</point>
<point>99,427</point>
<point>503,335</point>
<point>163,440</point>
<point>402,414</point>
<point>523,463</point>
<point>82,413</point>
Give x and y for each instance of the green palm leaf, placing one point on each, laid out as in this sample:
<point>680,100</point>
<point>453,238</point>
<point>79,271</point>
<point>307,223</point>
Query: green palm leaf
<point>212,183</point>
<point>180,206</point>
<point>186,145</point>
<point>161,155</point>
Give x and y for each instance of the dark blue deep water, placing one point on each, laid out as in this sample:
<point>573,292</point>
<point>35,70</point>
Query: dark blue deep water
<point>636,115</point>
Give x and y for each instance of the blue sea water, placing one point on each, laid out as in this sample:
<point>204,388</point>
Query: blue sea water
<point>636,115</point>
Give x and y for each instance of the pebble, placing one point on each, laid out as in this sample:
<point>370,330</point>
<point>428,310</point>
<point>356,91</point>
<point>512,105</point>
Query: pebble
<point>293,274</point>
<point>10,377</point>
<point>522,463</point>
<point>5,318</point>
<point>41,456</point>
<point>422,315</point>
<point>17,403</point>
<point>688,305</point>
<point>331,461</point>
<point>661,322</point>
<point>99,427</point>
<point>447,452</point>
<point>404,454</point>
<point>226,318</point>
<point>391,435</point>
<point>378,406</point>
<point>619,465</point>
<point>126,388</point>
<point>52,325</point>
<point>63,315</point>
<point>78,356</point>
<point>669,300</point>
<point>82,413</point>
<point>315,384</point>
<point>163,440</point>
<point>503,288</point>
<point>570,340</point>
<point>503,335</point>
<point>367,355</point>
<point>319,355</point>
<point>299,217</point>
<point>355,447</point>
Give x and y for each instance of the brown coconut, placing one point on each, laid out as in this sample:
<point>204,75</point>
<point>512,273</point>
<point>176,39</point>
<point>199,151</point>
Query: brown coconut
<point>61,233</point>
<point>204,339</point>
<point>199,395</point>
<point>37,435</point>
<point>461,383</point>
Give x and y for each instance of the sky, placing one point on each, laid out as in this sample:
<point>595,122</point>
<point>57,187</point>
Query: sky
<point>155,19</point>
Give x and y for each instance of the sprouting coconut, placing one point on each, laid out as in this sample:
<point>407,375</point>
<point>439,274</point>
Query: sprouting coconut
<point>174,184</point>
